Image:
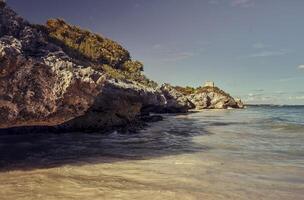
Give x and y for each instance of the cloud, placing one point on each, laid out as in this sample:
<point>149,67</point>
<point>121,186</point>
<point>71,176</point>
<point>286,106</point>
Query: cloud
<point>259,90</point>
<point>279,92</point>
<point>172,53</point>
<point>269,53</point>
<point>178,56</point>
<point>214,2</point>
<point>301,67</point>
<point>254,95</point>
<point>275,97</point>
<point>260,45</point>
<point>157,46</point>
<point>287,79</point>
<point>242,3</point>
<point>233,3</point>
<point>258,98</point>
<point>296,97</point>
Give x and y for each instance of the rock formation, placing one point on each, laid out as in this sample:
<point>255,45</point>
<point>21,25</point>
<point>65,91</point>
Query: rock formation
<point>61,75</point>
<point>46,82</point>
<point>175,100</point>
<point>213,98</point>
<point>210,97</point>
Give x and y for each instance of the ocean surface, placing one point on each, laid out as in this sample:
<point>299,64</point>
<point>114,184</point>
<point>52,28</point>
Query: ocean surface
<point>256,153</point>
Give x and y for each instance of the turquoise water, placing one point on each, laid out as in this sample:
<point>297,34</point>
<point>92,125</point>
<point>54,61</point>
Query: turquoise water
<point>256,153</point>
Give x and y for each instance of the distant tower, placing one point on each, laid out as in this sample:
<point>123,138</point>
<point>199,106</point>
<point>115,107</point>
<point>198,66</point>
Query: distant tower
<point>209,84</point>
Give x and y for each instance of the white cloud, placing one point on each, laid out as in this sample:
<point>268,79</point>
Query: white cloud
<point>287,79</point>
<point>296,98</point>
<point>259,90</point>
<point>233,3</point>
<point>269,53</point>
<point>214,2</point>
<point>157,46</point>
<point>260,45</point>
<point>177,56</point>
<point>242,3</point>
<point>276,97</point>
<point>172,53</point>
<point>301,66</point>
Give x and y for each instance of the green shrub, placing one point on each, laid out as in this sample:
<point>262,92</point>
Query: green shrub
<point>212,89</point>
<point>133,66</point>
<point>125,75</point>
<point>185,90</point>
<point>101,53</point>
<point>92,46</point>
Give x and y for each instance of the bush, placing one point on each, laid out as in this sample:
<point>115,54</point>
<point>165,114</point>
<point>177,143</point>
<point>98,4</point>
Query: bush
<point>94,47</point>
<point>133,66</point>
<point>101,53</point>
<point>212,89</point>
<point>125,75</point>
<point>185,90</point>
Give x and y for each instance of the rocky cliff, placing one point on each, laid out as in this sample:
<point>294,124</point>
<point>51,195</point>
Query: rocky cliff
<point>210,98</point>
<point>57,74</point>
<point>61,75</point>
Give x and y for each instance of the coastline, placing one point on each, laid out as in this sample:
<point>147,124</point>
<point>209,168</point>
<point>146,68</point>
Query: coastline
<point>190,156</point>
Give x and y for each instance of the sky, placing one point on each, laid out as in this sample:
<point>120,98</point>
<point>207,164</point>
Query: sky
<point>250,48</point>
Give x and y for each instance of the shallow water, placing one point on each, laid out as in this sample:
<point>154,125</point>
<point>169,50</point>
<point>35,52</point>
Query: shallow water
<point>257,153</point>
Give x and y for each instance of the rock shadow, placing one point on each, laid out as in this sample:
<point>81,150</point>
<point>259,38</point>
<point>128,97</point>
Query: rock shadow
<point>41,150</point>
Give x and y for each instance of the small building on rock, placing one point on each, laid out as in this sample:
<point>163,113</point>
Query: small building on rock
<point>209,84</point>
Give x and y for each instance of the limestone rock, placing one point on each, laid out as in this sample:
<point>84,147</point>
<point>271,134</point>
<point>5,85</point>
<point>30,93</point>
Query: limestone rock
<point>213,98</point>
<point>60,75</point>
<point>43,85</point>
<point>175,100</point>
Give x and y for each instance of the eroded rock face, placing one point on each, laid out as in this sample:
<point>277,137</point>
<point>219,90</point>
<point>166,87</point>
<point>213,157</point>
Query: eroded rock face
<point>175,101</point>
<point>43,84</point>
<point>42,91</point>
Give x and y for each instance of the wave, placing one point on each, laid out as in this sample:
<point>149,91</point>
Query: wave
<point>274,106</point>
<point>288,127</point>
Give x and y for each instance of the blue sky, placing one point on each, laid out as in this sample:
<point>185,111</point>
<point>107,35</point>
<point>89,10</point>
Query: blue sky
<point>251,48</point>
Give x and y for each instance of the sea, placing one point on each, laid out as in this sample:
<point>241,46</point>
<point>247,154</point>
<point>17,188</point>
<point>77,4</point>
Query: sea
<point>255,153</point>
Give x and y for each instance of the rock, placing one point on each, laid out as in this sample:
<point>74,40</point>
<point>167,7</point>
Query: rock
<point>59,75</point>
<point>152,118</point>
<point>175,100</point>
<point>213,98</point>
<point>239,103</point>
<point>41,84</point>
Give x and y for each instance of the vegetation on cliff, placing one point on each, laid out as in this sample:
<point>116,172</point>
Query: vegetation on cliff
<point>190,90</point>
<point>212,89</point>
<point>185,90</point>
<point>103,54</point>
<point>126,75</point>
<point>92,46</point>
